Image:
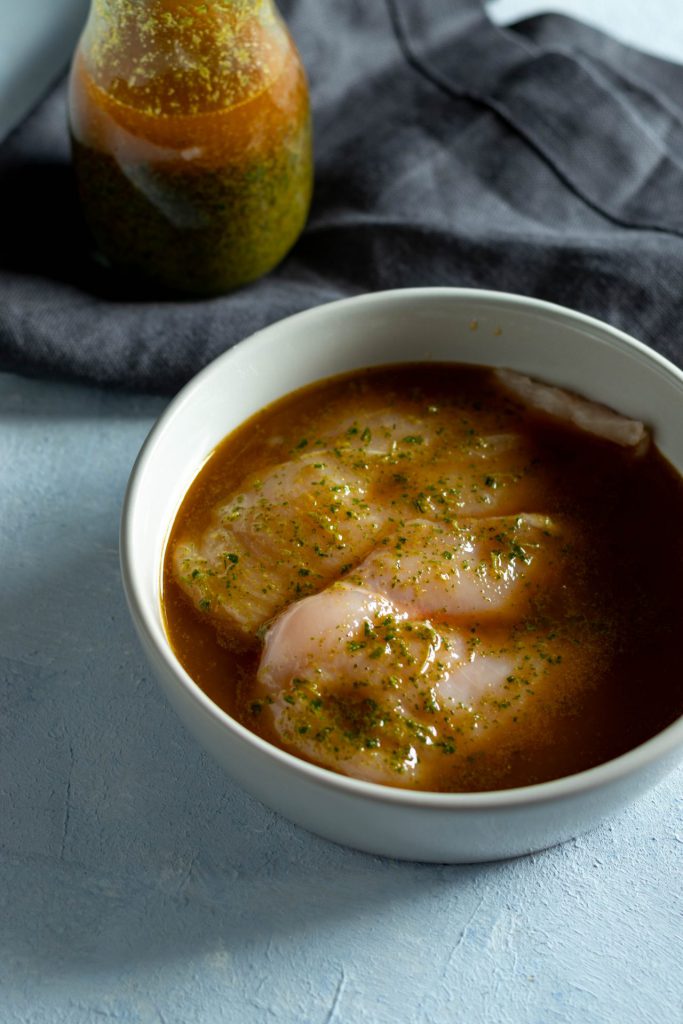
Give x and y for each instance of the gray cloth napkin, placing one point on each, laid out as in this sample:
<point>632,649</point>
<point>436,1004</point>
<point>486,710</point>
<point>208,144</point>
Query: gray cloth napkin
<point>545,159</point>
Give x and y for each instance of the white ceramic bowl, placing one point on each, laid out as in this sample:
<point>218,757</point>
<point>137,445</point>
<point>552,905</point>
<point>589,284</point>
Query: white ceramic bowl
<point>460,325</point>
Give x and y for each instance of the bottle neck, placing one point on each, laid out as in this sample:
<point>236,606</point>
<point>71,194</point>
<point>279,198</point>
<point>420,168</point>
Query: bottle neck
<point>183,57</point>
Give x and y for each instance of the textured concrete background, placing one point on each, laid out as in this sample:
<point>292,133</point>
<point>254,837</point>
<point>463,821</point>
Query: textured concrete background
<point>138,884</point>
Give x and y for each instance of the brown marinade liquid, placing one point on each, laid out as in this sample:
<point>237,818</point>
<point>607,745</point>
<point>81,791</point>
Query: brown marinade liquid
<point>195,197</point>
<point>629,507</point>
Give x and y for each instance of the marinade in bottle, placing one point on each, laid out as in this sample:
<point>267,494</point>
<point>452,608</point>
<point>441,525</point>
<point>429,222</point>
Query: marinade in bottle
<point>191,139</point>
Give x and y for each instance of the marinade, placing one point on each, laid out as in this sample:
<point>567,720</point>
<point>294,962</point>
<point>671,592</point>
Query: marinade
<point>191,140</point>
<point>408,575</point>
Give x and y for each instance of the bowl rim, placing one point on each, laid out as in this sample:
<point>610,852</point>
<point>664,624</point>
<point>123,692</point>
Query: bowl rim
<point>655,749</point>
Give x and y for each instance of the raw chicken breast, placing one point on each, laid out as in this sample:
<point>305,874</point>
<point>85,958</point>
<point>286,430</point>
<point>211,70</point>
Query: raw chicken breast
<point>297,526</point>
<point>489,474</point>
<point>590,416</point>
<point>380,432</point>
<point>474,569</point>
<point>354,683</point>
<point>287,533</point>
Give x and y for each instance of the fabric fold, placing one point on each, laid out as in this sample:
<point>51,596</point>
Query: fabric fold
<point>593,134</point>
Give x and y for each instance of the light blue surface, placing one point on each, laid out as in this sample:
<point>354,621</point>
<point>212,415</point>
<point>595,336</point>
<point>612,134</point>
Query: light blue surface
<point>652,25</point>
<point>138,884</point>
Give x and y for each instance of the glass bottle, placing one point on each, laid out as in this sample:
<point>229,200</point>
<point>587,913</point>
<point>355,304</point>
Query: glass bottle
<point>191,140</point>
